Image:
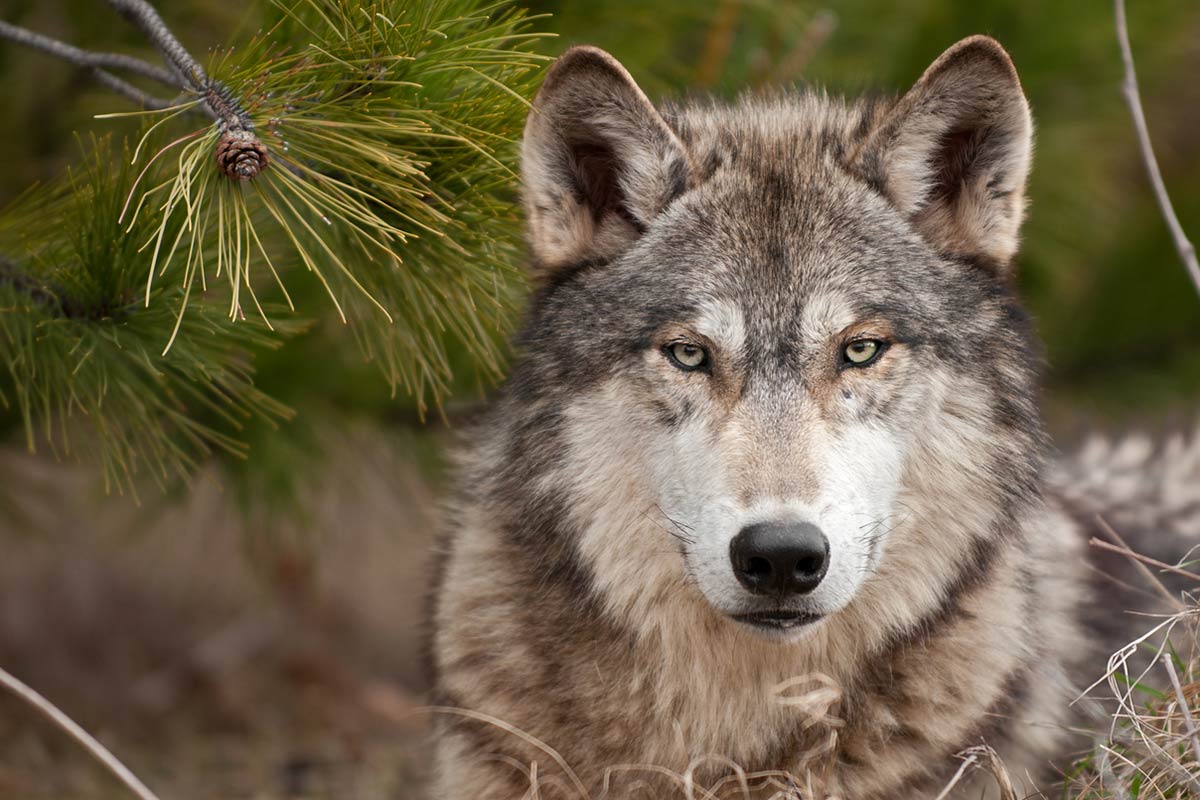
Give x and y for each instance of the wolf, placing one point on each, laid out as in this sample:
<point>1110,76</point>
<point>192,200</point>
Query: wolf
<point>766,507</point>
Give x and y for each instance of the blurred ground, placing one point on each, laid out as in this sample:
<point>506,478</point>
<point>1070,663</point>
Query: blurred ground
<point>212,670</point>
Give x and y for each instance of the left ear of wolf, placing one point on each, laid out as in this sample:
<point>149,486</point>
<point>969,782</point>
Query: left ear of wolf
<point>598,161</point>
<point>954,152</point>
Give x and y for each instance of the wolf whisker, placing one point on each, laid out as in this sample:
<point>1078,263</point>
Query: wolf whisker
<point>678,534</point>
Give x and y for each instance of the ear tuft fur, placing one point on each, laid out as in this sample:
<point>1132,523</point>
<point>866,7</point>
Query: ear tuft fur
<point>954,153</point>
<point>598,161</point>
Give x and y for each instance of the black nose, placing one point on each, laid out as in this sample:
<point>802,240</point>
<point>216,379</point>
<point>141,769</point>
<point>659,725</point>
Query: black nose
<point>780,558</point>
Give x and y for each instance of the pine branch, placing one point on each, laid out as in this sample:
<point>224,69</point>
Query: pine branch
<point>85,58</point>
<point>185,73</point>
<point>391,129</point>
<point>79,355</point>
<point>98,64</point>
<point>1129,87</point>
<point>147,20</point>
<point>11,275</point>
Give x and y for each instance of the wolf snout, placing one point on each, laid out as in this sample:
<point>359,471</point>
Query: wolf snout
<point>780,558</point>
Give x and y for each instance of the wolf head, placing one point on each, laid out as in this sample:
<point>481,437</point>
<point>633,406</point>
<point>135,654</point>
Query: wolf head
<point>774,363</point>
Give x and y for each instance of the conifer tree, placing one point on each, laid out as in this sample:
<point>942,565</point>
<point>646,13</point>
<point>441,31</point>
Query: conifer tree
<point>349,159</point>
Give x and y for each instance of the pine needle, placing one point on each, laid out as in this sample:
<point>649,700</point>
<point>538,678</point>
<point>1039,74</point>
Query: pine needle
<point>388,129</point>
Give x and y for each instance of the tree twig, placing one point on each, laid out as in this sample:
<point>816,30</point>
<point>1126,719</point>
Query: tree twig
<point>1103,545</point>
<point>10,275</point>
<point>1129,88</point>
<point>101,753</point>
<point>1139,561</point>
<point>185,72</point>
<point>97,64</point>
<point>86,58</point>
<point>135,94</point>
<point>218,101</point>
<point>146,19</point>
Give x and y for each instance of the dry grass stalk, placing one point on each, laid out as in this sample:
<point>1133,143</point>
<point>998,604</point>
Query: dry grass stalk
<point>89,742</point>
<point>1129,87</point>
<point>1153,749</point>
<point>978,757</point>
<point>816,697</point>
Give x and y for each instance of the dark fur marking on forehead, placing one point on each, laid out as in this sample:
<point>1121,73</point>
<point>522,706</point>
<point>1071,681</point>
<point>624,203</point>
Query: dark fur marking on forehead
<point>712,163</point>
<point>677,181</point>
<point>561,276</point>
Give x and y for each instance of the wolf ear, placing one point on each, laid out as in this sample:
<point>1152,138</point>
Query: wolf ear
<point>598,161</point>
<point>954,152</point>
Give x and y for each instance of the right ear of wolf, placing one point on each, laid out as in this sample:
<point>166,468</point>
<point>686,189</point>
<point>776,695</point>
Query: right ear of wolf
<point>598,162</point>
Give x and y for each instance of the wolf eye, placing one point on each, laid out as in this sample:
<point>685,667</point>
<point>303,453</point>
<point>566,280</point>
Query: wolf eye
<point>861,352</point>
<point>687,356</point>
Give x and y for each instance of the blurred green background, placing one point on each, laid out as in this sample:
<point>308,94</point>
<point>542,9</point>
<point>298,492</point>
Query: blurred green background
<point>1111,299</point>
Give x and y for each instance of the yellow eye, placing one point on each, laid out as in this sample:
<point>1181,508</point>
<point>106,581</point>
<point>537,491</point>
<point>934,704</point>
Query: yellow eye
<point>687,356</point>
<point>862,352</point>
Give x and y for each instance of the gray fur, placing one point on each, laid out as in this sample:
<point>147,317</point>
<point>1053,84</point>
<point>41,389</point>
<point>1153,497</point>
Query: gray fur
<point>585,596</point>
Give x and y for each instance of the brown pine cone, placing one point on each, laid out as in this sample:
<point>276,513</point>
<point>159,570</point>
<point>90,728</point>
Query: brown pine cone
<point>240,155</point>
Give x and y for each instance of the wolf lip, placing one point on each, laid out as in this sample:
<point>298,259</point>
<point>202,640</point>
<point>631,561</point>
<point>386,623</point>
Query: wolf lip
<point>778,619</point>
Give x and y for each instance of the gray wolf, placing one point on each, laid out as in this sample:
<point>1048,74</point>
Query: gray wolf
<point>772,434</point>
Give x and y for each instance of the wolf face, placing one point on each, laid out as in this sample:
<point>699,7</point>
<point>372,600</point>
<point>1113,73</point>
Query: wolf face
<point>756,321</point>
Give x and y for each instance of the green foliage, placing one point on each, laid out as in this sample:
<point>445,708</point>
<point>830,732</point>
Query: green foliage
<point>79,347</point>
<point>389,131</point>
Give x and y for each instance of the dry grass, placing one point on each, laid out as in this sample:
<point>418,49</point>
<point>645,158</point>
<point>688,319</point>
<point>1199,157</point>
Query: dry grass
<point>1152,748</point>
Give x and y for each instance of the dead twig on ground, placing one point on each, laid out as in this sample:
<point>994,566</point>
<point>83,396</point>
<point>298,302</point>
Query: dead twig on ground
<point>90,743</point>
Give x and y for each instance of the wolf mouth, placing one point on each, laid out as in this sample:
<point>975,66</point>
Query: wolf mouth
<point>778,619</point>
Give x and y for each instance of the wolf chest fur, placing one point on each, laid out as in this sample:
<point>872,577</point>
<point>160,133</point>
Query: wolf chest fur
<point>766,497</point>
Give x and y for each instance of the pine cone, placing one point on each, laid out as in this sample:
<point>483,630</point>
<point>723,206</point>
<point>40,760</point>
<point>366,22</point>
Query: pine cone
<point>240,155</point>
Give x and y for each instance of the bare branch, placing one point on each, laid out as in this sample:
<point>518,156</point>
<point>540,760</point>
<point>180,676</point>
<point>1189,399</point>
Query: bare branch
<point>94,63</point>
<point>52,713</point>
<point>1125,551</point>
<point>1129,88</point>
<point>185,72</point>
<point>218,103</point>
<point>10,275</point>
<point>86,58</point>
<point>132,92</point>
<point>146,18</point>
